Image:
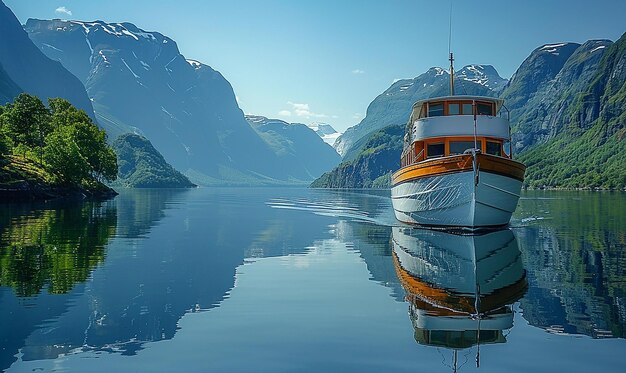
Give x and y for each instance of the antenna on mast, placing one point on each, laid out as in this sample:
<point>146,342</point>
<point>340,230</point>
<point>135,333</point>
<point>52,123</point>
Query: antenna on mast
<point>451,74</point>
<point>450,52</point>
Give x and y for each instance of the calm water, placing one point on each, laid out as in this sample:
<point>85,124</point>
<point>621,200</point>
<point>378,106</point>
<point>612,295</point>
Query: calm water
<point>308,280</point>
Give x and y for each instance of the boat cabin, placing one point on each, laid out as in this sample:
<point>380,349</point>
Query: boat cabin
<point>447,126</point>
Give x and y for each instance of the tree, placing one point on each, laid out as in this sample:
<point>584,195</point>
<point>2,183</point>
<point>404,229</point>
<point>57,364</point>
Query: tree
<point>88,138</point>
<point>27,121</point>
<point>64,158</point>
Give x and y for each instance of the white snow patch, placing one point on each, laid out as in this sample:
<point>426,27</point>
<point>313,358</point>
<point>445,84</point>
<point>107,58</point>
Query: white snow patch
<point>549,47</point>
<point>195,64</point>
<point>128,33</point>
<point>87,29</point>
<point>146,35</point>
<point>330,139</point>
<point>597,48</point>
<point>104,57</point>
<point>145,65</point>
<point>129,69</point>
<point>110,29</point>
<point>90,49</point>
<point>170,87</point>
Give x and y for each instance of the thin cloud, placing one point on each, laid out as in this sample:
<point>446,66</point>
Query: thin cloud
<point>63,10</point>
<point>304,111</point>
<point>284,113</point>
<point>358,71</point>
<point>357,116</point>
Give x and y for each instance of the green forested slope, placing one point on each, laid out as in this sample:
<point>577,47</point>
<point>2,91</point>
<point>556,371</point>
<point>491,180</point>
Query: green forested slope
<point>591,151</point>
<point>142,166</point>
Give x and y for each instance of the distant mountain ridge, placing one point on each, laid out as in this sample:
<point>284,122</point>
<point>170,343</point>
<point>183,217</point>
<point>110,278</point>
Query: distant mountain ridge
<point>140,82</point>
<point>326,132</point>
<point>297,146</point>
<point>393,106</point>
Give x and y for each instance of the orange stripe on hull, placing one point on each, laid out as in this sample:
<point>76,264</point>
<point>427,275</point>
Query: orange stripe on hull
<point>446,303</point>
<point>459,163</point>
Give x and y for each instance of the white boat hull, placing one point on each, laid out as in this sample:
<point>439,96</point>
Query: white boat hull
<point>454,200</point>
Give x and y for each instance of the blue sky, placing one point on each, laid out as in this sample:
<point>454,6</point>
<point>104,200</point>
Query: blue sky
<point>325,61</point>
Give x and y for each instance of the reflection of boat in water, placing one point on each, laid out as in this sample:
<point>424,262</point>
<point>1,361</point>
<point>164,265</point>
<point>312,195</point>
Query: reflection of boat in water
<point>459,287</point>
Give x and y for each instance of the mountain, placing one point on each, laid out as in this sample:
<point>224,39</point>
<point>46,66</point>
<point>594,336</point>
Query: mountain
<point>485,75</point>
<point>326,132</point>
<point>297,147</point>
<point>372,167</point>
<point>393,106</point>
<point>545,86</point>
<point>587,148</point>
<point>142,166</point>
<point>8,89</point>
<point>140,82</point>
<point>31,70</point>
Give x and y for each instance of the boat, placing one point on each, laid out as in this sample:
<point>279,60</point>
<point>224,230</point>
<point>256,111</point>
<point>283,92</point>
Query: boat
<point>459,287</point>
<point>457,167</point>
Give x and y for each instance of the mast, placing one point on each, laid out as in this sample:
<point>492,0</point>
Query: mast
<point>451,74</point>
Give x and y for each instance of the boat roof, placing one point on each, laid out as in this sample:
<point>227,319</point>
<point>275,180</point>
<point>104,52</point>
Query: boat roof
<point>460,97</point>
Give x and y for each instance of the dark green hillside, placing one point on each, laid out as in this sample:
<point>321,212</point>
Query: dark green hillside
<point>142,166</point>
<point>372,167</point>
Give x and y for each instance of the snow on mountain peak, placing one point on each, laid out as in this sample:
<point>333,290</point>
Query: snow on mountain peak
<point>116,29</point>
<point>195,64</point>
<point>484,75</point>
<point>552,48</point>
<point>439,71</point>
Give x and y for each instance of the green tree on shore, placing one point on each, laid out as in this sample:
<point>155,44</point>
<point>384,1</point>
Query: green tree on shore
<point>63,139</point>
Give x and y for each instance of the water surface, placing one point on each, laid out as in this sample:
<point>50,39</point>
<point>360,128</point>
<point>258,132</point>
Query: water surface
<point>308,280</point>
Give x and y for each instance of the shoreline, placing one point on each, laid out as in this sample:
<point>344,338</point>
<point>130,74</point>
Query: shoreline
<point>24,191</point>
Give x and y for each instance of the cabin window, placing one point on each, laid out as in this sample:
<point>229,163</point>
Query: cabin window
<point>467,109</point>
<point>435,150</point>
<point>435,110</point>
<point>458,147</point>
<point>454,109</point>
<point>494,148</point>
<point>484,108</point>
